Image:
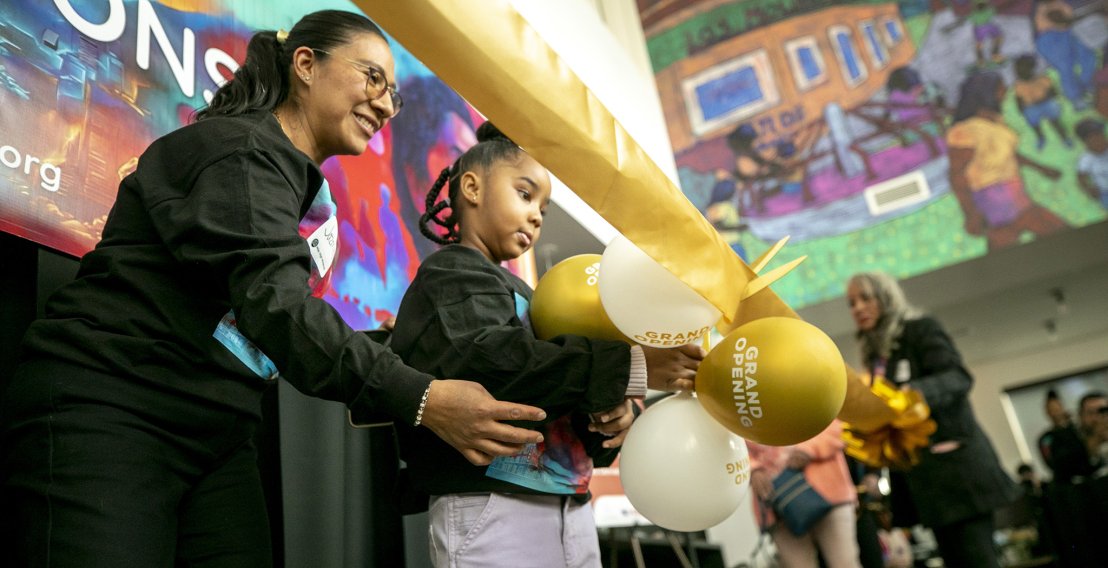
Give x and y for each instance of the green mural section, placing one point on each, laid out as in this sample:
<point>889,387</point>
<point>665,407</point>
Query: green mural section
<point>933,237</point>
<point>878,114</point>
<point>726,21</point>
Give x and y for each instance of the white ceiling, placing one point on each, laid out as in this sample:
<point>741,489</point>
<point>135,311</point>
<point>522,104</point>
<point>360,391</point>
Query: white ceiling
<point>993,306</point>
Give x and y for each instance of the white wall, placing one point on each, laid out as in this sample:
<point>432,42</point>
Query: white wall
<point>994,377</point>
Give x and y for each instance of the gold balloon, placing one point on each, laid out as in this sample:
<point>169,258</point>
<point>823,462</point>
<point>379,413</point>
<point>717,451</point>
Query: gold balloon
<point>567,301</point>
<point>774,380</point>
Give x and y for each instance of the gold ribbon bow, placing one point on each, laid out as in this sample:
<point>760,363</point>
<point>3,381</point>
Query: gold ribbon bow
<point>889,429</point>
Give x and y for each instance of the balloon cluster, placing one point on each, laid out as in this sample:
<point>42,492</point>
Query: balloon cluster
<point>772,380</point>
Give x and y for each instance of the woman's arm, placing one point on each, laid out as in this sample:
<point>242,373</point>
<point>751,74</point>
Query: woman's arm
<point>237,224</point>
<point>942,379</point>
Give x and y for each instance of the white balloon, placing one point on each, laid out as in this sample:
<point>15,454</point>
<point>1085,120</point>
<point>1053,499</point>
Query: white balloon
<point>681,469</point>
<point>647,302</point>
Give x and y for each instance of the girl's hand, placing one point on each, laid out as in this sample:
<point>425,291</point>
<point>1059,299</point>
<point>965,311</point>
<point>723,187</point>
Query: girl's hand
<point>615,423</point>
<point>673,369</point>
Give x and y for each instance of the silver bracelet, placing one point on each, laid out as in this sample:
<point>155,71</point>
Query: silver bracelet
<point>422,405</point>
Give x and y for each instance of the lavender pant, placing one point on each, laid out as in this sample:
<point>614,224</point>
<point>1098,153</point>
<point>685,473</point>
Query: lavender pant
<point>512,530</point>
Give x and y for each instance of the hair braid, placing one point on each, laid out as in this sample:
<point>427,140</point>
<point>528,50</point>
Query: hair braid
<point>433,207</point>
<point>492,146</point>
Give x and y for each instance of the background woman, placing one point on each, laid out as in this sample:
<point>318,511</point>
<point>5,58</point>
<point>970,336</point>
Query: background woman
<point>958,482</point>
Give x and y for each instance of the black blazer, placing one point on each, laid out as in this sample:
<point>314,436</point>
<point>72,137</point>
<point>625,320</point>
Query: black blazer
<point>966,482</point>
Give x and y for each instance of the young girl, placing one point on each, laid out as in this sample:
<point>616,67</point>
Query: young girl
<point>465,316</point>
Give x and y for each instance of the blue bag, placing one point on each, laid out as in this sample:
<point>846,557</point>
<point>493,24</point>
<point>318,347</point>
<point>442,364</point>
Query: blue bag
<point>796,503</point>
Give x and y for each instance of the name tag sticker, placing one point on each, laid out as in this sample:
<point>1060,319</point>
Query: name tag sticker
<point>324,244</point>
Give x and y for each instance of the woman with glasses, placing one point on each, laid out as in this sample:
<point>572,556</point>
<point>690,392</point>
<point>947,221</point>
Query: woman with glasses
<point>126,430</point>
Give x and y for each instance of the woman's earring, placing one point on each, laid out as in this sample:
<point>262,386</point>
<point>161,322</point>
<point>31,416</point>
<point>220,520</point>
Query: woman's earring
<point>306,78</point>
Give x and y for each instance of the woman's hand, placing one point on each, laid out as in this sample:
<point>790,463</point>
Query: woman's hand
<point>615,423</point>
<point>468,418</point>
<point>672,369</point>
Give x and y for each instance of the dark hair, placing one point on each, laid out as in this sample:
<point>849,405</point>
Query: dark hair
<point>1024,468</point>
<point>1087,127</point>
<point>978,91</point>
<point>742,138</point>
<point>262,82</point>
<point>1025,66</point>
<point>492,146</point>
<point>1051,395</point>
<point>1089,396</point>
<point>903,79</point>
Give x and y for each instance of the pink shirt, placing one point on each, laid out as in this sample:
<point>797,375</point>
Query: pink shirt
<point>826,473</point>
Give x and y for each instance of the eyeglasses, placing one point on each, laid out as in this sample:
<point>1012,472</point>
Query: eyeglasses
<point>376,84</point>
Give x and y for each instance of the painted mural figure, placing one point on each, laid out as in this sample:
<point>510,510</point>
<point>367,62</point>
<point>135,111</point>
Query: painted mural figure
<point>915,107</point>
<point>986,33</point>
<point>1092,166</point>
<point>1038,100</point>
<point>1056,42</point>
<point>751,166</point>
<point>984,168</point>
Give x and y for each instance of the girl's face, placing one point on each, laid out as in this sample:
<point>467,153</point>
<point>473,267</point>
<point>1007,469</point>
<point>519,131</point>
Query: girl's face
<point>504,207</point>
<point>864,307</point>
<point>340,116</point>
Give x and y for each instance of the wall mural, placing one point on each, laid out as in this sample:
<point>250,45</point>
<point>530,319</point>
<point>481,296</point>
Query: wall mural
<point>902,136</point>
<point>86,85</point>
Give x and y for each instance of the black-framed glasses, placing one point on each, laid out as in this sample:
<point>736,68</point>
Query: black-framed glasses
<point>376,84</point>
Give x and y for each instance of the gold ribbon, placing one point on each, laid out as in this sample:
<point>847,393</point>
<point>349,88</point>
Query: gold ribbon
<point>890,433</point>
<point>494,59</point>
<point>503,67</point>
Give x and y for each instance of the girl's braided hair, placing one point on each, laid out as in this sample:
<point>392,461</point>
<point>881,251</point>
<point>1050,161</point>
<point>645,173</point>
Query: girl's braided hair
<point>492,146</point>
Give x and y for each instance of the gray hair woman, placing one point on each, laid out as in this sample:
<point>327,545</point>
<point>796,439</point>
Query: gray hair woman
<point>914,351</point>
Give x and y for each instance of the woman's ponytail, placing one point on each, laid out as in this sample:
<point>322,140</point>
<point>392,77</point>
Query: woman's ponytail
<point>261,83</point>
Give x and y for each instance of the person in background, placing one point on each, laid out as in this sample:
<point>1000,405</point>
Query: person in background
<point>958,483</point>
<point>126,433</point>
<point>870,500</point>
<point>896,547</point>
<point>1062,448</point>
<point>1093,412</point>
<point>1034,505</point>
<point>824,465</point>
<point>1069,500</point>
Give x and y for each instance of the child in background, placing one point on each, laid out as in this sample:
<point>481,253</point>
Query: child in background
<point>465,316</point>
<point>1092,166</point>
<point>896,549</point>
<point>1038,99</point>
